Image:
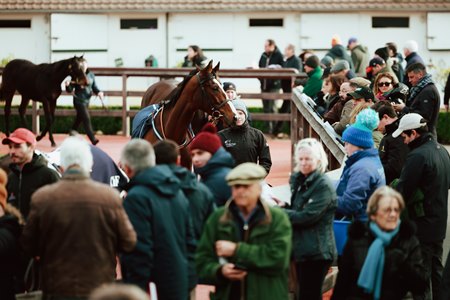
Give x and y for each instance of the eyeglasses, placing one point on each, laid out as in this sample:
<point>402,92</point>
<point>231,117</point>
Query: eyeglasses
<point>380,84</point>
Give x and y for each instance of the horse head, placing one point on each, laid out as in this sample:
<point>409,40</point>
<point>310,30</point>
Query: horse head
<point>77,70</point>
<point>214,98</point>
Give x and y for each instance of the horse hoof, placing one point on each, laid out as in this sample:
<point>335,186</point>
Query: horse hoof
<point>53,145</point>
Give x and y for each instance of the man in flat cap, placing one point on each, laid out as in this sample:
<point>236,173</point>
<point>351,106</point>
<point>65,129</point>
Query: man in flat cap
<point>245,246</point>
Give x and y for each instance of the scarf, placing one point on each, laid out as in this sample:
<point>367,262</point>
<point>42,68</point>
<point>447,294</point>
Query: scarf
<point>371,274</point>
<point>426,80</point>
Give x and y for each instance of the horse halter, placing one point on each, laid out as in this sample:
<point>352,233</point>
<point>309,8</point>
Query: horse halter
<point>215,110</point>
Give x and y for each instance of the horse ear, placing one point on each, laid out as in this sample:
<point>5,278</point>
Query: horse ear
<point>208,68</point>
<point>216,68</point>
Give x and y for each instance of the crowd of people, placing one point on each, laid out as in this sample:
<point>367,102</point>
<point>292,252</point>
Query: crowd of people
<point>171,229</point>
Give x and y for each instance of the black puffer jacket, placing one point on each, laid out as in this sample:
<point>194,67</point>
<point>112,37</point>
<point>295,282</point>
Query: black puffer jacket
<point>427,167</point>
<point>266,60</point>
<point>403,267</point>
<point>393,152</point>
<point>10,258</point>
<point>23,183</point>
<point>247,144</point>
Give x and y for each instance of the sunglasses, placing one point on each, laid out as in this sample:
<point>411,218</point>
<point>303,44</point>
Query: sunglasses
<point>380,84</point>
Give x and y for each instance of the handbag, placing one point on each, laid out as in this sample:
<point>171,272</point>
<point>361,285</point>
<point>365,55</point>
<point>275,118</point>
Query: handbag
<point>32,283</point>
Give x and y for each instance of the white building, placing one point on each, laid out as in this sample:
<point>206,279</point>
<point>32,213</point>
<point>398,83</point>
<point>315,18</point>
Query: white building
<point>232,32</point>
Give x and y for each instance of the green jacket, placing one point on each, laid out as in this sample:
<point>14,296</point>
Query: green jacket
<point>314,84</point>
<point>264,250</point>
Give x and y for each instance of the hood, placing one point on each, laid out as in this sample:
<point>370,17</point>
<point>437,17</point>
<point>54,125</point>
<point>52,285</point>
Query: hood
<point>338,51</point>
<point>159,178</point>
<point>221,159</point>
<point>390,128</point>
<point>362,48</point>
<point>188,181</point>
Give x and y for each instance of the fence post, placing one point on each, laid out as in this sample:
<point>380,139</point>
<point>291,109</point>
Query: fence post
<point>125,108</point>
<point>294,130</point>
<point>35,120</point>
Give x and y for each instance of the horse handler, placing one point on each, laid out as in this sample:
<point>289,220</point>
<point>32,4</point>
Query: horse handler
<point>81,97</point>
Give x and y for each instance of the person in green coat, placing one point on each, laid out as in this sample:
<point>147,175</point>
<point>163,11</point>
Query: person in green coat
<point>246,245</point>
<point>314,72</point>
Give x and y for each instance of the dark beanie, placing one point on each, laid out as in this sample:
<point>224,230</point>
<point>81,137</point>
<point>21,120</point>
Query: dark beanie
<point>383,52</point>
<point>207,139</point>
<point>312,61</point>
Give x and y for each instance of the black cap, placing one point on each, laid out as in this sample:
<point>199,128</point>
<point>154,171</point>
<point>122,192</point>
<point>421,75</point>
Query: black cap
<point>363,92</point>
<point>229,86</point>
<point>376,61</point>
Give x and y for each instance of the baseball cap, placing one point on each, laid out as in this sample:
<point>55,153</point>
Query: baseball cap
<point>408,122</point>
<point>362,92</point>
<point>20,136</point>
<point>376,61</point>
<point>229,86</point>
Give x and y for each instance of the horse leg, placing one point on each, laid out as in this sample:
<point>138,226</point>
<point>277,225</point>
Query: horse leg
<point>48,123</point>
<point>8,100</point>
<point>22,111</point>
<point>52,118</point>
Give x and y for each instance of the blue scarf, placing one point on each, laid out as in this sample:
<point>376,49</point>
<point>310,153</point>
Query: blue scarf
<point>371,274</point>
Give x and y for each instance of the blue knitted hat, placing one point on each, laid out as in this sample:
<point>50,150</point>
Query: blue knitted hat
<point>360,133</point>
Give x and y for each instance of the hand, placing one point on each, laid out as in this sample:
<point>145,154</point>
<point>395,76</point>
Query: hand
<point>67,82</point>
<point>229,272</point>
<point>101,95</point>
<point>225,248</point>
<point>398,107</point>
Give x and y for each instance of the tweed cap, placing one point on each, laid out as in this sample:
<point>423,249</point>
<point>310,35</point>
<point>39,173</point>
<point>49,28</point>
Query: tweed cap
<point>246,173</point>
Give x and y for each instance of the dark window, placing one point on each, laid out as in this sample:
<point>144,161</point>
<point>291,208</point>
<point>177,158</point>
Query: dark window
<point>384,22</point>
<point>138,23</point>
<point>266,22</point>
<point>15,23</point>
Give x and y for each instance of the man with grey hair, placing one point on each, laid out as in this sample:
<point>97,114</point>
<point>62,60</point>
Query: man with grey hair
<point>410,50</point>
<point>160,213</point>
<point>76,227</point>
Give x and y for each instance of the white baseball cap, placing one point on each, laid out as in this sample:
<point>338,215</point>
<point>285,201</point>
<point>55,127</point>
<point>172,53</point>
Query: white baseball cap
<point>408,122</point>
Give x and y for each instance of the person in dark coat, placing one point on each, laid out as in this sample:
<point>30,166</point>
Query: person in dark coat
<point>293,62</point>
<point>271,58</point>
<point>245,143</point>
<point>338,52</point>
<point>10,230</point>
<point>427,168</point>
<point>159,212</point>
<point>212,162</point>
<point>393,151</point>
<point>424,97</point>
<point>81,98</point>
<point>410,50</point>
<point>29,171</point>
<point>311,213</point>
<point>381,259</point>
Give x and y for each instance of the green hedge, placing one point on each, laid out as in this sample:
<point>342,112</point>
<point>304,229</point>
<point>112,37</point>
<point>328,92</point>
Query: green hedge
<point>443,128</point>
<point>108,125</point>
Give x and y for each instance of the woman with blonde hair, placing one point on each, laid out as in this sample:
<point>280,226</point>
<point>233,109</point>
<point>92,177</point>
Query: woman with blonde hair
<point>311,213</point>
<point>382,259</point>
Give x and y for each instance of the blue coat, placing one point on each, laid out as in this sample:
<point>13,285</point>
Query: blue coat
<point>213,175</point>
<point>363,174</point>
<point>160,216</point>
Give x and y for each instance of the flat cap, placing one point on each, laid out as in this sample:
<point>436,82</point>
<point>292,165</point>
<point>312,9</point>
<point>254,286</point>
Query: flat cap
<point>246,173</point>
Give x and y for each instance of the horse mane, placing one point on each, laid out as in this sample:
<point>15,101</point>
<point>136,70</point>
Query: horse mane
<point>175,94</point>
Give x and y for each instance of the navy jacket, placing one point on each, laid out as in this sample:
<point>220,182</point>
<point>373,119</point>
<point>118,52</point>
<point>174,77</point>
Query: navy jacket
<point>213,175</point>
<point>363,174</point>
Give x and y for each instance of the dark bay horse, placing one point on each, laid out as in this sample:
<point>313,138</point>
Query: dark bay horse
<point>200,90</point>
<point>41,83</point>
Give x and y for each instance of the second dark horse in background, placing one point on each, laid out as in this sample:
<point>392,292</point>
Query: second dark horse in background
<point>200,90</point>
<point>41,83</point>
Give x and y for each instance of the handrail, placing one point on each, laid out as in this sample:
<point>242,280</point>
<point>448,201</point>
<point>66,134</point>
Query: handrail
<point>305,123</point>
